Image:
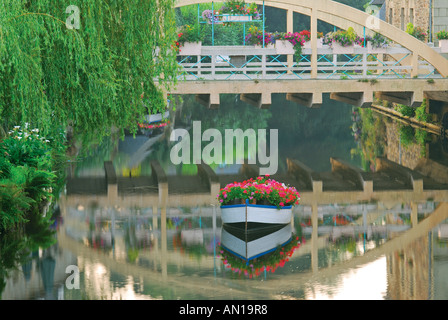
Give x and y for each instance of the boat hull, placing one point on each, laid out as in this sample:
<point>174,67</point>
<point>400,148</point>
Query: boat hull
<point>249,249</point>
<point>255,213</point>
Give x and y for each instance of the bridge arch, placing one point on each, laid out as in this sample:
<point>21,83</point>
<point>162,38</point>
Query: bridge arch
<point>343,16</point>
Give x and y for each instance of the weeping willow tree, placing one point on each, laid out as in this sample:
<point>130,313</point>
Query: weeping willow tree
<point>86,67</point>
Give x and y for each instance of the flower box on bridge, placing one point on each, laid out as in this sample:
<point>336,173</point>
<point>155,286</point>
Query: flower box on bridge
<point>190,49</point>
<point>266,46</point>
<point>443,45</point>
<point>307,45</point>
<point>284,47</point>
<point>235,17</point>
<point>375,49</point>
<point>340,49</point>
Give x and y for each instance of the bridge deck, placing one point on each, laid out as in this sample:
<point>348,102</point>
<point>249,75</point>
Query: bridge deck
<point>253,63</point>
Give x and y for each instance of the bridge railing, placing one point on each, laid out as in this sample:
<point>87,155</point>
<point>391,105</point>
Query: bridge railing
<point>255,63</point>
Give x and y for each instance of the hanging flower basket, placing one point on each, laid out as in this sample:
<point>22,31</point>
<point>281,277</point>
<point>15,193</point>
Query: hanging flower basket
<point>260,200</point>
<point>190,48</point>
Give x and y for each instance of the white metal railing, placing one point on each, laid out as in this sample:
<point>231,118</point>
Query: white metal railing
<point>252,63</point>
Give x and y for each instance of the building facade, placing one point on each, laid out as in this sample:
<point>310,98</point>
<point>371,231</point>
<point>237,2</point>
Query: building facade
<point>430,15</point>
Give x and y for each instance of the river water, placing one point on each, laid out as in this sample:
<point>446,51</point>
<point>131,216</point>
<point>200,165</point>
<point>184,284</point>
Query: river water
<point>126,246</point>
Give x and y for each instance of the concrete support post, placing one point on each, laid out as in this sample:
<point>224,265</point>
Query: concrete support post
<point>164,243</point>
<point>414,72</point>
<point>263,65</point>
<point>313,42</point>
<point>314,238</point>
<point>289,28</point>
<point>112,181</point>
<point>213,66</point>
<point>414,213</point>
<point>364,64</point>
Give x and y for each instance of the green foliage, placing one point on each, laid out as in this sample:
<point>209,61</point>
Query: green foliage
<point>190,33</point>
<point>442,35</point>
<point>373,135</point>
<point>420,112</point>
<point>406,134</point>
<point>13,205</point>
<point>25,147</point>
<point>27,180</point>
<point>343,37</point>
<point>378,40</point>
<point>416,32</point>
<point>406,110</point>
<point>92,77</point>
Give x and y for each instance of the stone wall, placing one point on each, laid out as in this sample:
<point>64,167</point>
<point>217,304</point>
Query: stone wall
<point>410,156</point>
<point>415,11</point>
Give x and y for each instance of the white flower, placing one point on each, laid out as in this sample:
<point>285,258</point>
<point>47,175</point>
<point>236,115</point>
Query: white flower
<point>16,127</point>
<point>35,130</point>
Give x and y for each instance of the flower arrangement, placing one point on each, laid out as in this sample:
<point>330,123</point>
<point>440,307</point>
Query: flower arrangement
<point>344,37</point>
<point>269,262</point>
<point>154,125</point>
<point>212,17</point>
<point>231,7</point>
<point>306,35</point>
<point>297,39</point>
<point>378,41</point>
<point>252,10</point>
<point>255,37</point>
<point>261,190</point>
<point>234,7</point>
<point>416,32</point>
<point>188,33</point>
<point>442,35</point>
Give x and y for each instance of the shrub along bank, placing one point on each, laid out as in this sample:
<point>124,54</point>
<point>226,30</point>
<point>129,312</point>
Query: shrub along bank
<point>30,175</point>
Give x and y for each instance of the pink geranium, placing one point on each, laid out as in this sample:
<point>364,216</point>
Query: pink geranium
<point>259,190</point>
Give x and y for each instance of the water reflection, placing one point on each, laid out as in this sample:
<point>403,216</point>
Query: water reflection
<point>155,232</point>
<point>256,250</point>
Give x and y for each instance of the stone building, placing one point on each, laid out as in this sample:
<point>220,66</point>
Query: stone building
<point>421,13</point>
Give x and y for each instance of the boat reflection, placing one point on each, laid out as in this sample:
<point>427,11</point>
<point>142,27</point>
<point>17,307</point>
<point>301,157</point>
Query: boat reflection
<point>257,249</point>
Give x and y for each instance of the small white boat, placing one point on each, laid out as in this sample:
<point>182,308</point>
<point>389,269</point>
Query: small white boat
<point>255,213</point>
<point>252,244</point>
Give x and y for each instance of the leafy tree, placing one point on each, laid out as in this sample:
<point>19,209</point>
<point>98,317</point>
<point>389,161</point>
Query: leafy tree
<point>52,73</point>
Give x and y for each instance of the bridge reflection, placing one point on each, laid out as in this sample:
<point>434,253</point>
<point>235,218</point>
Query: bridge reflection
<point>343,184</point>
<point>376,229</point>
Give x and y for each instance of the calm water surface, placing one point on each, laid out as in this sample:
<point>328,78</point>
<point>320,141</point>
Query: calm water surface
<point>126,246</point>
